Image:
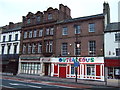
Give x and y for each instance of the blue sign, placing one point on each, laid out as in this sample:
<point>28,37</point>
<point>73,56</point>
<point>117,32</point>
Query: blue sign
<point>76,64</point>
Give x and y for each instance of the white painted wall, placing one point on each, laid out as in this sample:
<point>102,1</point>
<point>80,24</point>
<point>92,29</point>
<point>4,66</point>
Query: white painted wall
<point>12,41</point>
<point>110,44</point>
<point>119,11</point>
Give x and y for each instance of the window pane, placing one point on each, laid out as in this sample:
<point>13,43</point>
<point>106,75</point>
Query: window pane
<point>65,31</point>
<point>117,51</point>
<point>4,38</point>
<point>117,37</point>
<point>64,49</point>
<point>16,37</point>
<point>92,27</point>
<point>25,34</point>
<point>40,33</point>
<point>77,29</point>
<point>92,48</point>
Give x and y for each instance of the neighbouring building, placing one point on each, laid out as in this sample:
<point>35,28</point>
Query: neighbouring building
<point>9,47</point>
<point>112,50</point>
<point>51,41</point>
<point>119,11</point>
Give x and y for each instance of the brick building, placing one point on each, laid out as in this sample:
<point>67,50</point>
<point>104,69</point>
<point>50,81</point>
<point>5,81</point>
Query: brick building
<point>52,41</point>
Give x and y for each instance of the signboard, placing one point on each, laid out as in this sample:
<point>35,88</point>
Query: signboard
<point>82,59</point>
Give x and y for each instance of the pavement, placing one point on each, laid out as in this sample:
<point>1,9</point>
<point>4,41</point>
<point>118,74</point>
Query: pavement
<point>61,80</point>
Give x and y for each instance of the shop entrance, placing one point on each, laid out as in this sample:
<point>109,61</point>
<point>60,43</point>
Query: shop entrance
<point>46,69</point>
<point>62,71</point>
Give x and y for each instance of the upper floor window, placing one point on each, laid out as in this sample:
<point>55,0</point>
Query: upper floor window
<point>29,48</point>
<point>91,27</point>
<point>10,37</point>
<point>3,48</point>
<point>30,34</point>
<point>49,46</point>
<point>40,32</point>
<point>39,47</point>
<point>92,48</point>
<point>28,21</point>
<point>117,37</point>
<point>4,38</point>
<point>51,31</point>
<point>77,29</point>
<point>64,50</point>
<point>15,48</point>
<point>38,18</point>
<point>35,33</point>
<point>9,48</point>
<point>49,16</point>
<point>47,31</point>
<point>33,48</point>
<point>77,48</point>
<point>117,51</point>
<point>16,37</point>
<point>25,34</point>
<point>24,49</point>
<point>65,31</point>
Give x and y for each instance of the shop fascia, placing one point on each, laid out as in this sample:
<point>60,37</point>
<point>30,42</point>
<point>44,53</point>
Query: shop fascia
<point>81,59</point>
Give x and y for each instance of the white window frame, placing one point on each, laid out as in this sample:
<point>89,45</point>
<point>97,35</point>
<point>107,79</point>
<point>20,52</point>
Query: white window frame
<point>51,31</point>
<point>92,69</point>
<point>91,27</point>
<point>35,33</point>
<point>64,52</point>
<point>30,34</point>
<point>24,49</point>
<point>40,32</point>
<point>50,46</point>
<point>93,51</point>
<point>78,49</point>
<point>47,46</point>
<point>33,48</point>
<point>39,47</point>
<point>64,31</point>
<point>77,29</point>
<point>25,34</point>
<point>117,37</point>
<point>47,31</point>
<point>29,48</point>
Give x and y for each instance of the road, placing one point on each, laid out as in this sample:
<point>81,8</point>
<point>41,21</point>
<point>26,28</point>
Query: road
<point>23,85</point>
<point>14,83</point>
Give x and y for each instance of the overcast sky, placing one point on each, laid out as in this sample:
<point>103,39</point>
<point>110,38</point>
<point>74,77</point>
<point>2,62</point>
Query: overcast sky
<point>13,10</point>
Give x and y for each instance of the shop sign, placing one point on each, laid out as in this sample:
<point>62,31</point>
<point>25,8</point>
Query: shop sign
<point>79,59</point>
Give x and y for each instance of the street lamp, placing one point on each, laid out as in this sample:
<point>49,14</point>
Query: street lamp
<point>76,62</point>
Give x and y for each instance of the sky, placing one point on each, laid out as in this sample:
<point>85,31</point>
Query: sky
<point>13,10</point>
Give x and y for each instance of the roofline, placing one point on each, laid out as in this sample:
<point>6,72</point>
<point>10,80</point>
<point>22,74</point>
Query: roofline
<point>80,18</point>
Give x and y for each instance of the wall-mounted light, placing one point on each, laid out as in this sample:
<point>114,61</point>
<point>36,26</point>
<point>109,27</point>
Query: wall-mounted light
<point>68,53</point>
<point>70,44</point>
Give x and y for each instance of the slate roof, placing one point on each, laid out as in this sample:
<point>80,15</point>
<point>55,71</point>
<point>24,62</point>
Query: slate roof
<point>113,27</point>
<point>80,18</point>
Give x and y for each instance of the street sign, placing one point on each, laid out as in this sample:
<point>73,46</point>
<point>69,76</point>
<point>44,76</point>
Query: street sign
<point>76,64</point>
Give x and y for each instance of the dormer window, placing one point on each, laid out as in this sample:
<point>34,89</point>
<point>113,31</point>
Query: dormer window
<point>38,18</point>
<point>49,16</point>
<point>28,21</point>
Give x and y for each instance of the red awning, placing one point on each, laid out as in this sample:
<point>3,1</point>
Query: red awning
<point>112,62</point>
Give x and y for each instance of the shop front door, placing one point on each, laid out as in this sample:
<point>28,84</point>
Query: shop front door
<point>62,72</point>
<point>46,69</point>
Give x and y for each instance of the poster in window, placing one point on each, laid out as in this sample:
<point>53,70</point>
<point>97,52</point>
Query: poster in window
<point>117,71</point>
